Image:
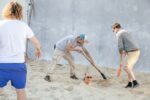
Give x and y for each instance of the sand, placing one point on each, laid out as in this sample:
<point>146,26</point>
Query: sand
<point>64,88</point>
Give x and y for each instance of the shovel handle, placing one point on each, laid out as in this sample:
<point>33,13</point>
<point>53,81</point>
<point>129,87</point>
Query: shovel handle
<point>104,77</point>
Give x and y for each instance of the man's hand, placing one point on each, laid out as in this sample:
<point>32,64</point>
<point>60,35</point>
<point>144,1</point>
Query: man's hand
<point>79,50</point>
<point>92,62</point>
<point>124,53</point>
<point>120,61</point>
<point>37,45</point>
<point>38,53</point>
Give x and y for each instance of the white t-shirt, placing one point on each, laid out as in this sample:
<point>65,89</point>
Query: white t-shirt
<point>13,36</point>
<point>61,44</point>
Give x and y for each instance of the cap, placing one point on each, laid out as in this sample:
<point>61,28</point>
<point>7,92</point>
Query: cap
<point>83,36</point>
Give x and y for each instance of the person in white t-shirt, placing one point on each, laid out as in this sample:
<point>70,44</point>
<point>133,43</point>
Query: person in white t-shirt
<point>13,36</point>
<point>63,48</point>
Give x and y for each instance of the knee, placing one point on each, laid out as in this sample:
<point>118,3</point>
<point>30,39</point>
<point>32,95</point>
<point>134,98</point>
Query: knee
<point>20,91</point>
<point>71,63</point>
<point>21,95</point>
<point>70,60</point>
<point>1,90</point>
<point>126,68</point>
<point>54,60</point>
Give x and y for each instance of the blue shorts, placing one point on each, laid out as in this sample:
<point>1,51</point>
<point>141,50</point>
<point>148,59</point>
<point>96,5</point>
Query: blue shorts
<point>13,72</point>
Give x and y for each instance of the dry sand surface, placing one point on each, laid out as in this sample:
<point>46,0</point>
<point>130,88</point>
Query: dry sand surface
<point>64,88</point>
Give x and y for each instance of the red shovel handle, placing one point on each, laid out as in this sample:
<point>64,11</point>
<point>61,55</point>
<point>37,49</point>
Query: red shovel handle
<point>119,71</point>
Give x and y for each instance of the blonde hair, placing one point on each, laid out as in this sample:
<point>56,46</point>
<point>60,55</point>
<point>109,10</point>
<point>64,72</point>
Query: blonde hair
<point>12,10</point>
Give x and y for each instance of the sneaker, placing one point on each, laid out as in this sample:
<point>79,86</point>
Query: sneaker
<point>129,85</point>
<point>74,77</point>
<point>135,84</point>
<point>47,78</point>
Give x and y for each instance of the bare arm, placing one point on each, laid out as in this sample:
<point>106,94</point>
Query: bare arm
<point>122,54</point>
<point>37,45</point>
<point>69,47</point>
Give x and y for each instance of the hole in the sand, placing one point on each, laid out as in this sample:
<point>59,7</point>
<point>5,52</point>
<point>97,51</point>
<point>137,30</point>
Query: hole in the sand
<point>104,83</point>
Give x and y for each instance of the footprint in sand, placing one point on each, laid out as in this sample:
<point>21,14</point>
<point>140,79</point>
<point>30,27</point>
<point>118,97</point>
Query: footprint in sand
<point>138,92</point>
<point>3,97</point>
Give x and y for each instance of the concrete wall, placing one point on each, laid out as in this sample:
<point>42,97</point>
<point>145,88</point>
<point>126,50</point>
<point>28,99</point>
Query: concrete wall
<point>54,19</point>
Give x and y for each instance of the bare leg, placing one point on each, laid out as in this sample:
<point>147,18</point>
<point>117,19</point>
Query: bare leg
<point>1,91</point>
<point>128,71</point>
<point>21,95</point>
<point>132,74</point>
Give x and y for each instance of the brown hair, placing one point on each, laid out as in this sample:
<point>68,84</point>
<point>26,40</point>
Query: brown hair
<point>13,10</point>
<point>116,25</point>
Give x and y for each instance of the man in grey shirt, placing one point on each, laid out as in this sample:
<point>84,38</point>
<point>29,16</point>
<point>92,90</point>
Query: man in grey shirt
<point>128,48</point>
<point>63,49</point>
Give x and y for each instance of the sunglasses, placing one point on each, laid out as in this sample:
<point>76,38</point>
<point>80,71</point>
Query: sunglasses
<point>89,77</point>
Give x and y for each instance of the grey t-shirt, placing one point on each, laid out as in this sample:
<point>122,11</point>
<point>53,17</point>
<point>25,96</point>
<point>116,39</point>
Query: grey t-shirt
<point>61,44</point>
<point>126,41</point>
